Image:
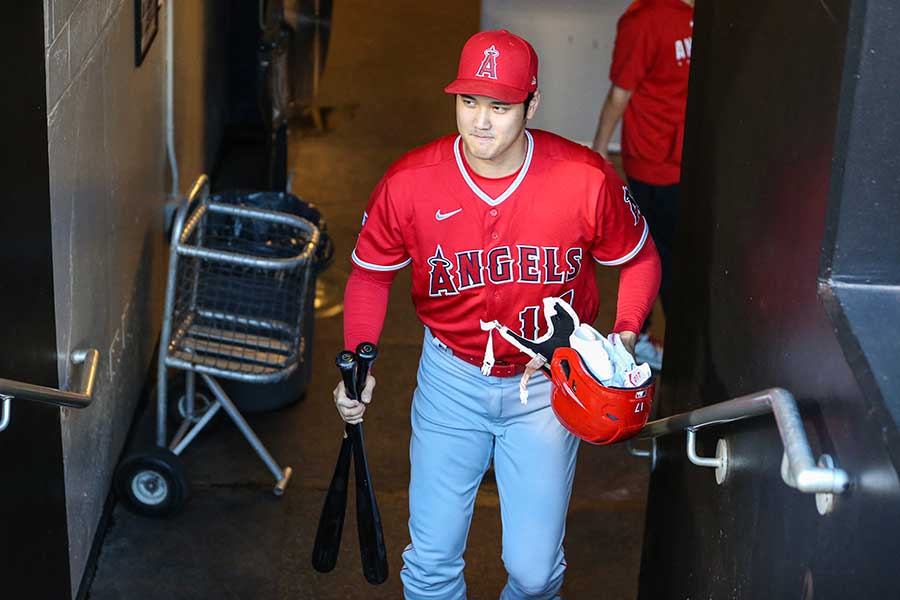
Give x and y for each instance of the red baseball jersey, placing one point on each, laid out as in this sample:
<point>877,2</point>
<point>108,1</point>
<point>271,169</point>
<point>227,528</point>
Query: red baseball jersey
<point>478,257</point>
<point>652,58</point>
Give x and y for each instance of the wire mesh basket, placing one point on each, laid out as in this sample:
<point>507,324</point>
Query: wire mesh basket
<point>237,291</point>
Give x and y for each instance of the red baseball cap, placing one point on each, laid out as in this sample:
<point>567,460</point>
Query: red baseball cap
<point>497,64</point>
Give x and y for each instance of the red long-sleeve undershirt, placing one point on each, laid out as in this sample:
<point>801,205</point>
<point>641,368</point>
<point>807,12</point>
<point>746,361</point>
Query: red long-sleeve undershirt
<point>365,305</point>
<point>366,297</point>
<point>638,286</point>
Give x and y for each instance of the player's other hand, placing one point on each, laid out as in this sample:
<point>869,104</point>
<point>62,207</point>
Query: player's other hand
<point>629,339</point>
<point>351,411</point>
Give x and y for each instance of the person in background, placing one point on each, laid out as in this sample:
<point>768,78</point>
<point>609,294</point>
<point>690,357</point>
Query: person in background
<point>649,75</point>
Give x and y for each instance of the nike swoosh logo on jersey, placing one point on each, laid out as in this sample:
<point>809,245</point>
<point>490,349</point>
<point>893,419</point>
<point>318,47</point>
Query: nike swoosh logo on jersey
<point>441,216</point>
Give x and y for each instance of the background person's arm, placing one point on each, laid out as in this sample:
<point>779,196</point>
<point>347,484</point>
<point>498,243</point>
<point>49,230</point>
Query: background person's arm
<point>613,109</point>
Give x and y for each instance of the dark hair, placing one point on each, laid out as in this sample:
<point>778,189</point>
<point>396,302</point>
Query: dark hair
<point>528,100</point>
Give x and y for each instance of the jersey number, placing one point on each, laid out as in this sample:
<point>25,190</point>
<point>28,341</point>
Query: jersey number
<point>530,314</point>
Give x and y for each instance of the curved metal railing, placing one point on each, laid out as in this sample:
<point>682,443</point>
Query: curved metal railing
<point>799,469</point>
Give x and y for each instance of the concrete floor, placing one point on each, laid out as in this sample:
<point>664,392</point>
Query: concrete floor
<point>383,86</point>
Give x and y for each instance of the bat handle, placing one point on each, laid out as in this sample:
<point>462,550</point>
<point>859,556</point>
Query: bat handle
<point>347,364</point>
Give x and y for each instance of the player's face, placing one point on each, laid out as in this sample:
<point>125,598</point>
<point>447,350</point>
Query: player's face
<point>491,130</point>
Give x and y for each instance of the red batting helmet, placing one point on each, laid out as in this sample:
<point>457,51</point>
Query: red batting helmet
<point>590,410</point>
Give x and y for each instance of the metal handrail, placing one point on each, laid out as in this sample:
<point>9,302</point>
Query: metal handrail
<point>802,471</point>
<point>10,389</point>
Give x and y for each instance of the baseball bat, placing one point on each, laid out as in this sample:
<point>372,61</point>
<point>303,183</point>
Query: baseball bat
<point>368,520</point>
<point>331,521</point>
<point>365,356</point>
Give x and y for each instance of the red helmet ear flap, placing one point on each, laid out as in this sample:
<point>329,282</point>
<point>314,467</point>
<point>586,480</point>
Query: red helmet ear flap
<point>590,410</point>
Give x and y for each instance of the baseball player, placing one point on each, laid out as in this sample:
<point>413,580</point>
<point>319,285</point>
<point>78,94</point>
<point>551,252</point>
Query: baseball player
<point>491,220</point>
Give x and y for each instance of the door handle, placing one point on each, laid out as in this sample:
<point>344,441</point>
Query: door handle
<point>87,359</point>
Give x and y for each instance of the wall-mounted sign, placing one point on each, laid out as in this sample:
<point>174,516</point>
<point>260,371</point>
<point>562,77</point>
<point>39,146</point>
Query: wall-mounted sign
<point>146,24</point>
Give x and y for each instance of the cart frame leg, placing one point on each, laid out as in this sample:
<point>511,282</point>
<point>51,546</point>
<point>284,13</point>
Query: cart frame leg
<point>282,476</point>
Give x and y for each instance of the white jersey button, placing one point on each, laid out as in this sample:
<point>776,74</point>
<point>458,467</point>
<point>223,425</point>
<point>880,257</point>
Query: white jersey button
<point>495,235</point>
<point>493,212</point>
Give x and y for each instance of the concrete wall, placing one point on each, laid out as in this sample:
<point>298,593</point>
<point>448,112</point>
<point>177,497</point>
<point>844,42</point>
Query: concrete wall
<point>108,183</point>
<point>107,178</point>
<point>574,40</point>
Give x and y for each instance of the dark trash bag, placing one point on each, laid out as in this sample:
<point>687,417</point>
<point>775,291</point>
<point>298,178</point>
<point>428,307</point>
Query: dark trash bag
<point>262,397</point>
<point>280,202</point>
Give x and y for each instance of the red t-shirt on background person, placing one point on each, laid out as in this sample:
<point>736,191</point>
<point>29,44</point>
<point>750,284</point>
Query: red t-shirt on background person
<point>652,58</point>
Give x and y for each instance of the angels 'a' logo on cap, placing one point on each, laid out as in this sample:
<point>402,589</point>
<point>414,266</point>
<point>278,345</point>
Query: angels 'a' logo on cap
<point>488,66</point>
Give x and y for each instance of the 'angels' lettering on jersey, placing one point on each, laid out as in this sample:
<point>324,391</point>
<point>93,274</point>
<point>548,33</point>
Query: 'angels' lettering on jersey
<point>501,265</point>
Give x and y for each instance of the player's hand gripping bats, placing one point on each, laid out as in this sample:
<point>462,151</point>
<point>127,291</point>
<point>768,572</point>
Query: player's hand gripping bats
<point>354,369</point>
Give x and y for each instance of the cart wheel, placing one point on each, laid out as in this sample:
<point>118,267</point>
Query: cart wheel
<point>152,483</point>
<point>176,401</point>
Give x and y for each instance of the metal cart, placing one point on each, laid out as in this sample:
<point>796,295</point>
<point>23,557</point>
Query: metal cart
<point>237,287</point>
